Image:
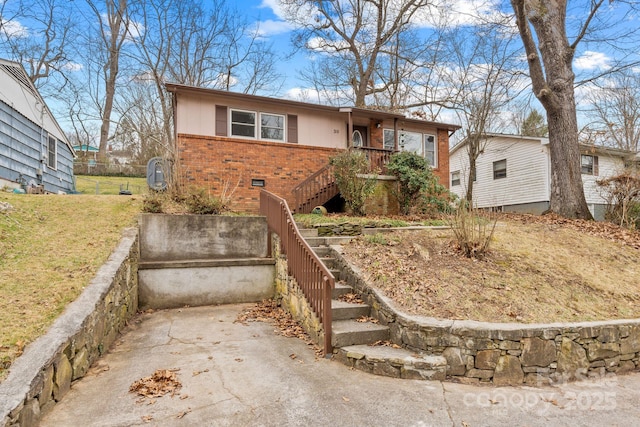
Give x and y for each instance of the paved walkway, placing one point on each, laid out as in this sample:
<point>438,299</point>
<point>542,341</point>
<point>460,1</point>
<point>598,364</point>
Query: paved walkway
<point>236,375</point>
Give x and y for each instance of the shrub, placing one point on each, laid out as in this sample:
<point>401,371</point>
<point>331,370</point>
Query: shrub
<point>152,203</point>
<point>199,202</point>
<point>416,183</point>
<point>622,193</point>
<point>473,229</point>
<point>348,168</point>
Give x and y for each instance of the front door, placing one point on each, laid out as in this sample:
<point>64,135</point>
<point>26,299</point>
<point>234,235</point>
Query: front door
<point>359,136</point>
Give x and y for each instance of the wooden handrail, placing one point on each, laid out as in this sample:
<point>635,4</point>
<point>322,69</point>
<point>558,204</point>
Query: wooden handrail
<point>316,190</point>
<point>313,277</point>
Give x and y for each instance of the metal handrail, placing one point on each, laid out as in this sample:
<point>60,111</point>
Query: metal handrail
<point>313,277</point>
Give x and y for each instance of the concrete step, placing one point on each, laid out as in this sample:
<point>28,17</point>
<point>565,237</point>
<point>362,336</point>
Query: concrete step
<point>326,241</point>
<point>393,362</point>
<point>341,310</point>
<point>341,289</point>
<point>350,332</point>
<point>308,232</point>
<point>321,251</point>
<point>328,261</point>
<point>336,273</point>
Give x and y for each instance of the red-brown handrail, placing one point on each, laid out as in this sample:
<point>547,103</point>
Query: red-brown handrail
<point>378,157</point>
<point>316,190</point>
<point>313,277</point>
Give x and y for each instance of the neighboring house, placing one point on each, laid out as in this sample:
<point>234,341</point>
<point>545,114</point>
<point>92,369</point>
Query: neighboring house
<point>33,148</point>
<point>246,142</point>
<point>513,173</point>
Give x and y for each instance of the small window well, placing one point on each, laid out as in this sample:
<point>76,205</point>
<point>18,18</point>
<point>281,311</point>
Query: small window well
<point>257,182</point>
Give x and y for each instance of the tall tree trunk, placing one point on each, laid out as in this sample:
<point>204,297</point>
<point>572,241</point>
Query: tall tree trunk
<point>472,173</point>
<point>567,191</point>
<point>552,78</point>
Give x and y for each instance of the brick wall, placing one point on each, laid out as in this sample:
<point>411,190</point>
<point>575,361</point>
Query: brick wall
<point>442,172</point>
<point>215,162</point>
<point>212,162</point>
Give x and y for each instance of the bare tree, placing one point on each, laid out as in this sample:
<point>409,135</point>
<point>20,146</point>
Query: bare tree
<point>550,54</point>
<point>42,46</point>
<point>615,109</point>
<point>482,69</point>
<point>113,30</point>
<point>350,37</point>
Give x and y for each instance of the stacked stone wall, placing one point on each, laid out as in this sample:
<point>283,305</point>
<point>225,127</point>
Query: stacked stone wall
<point>505,353</point>
<point>43,374</point>
<point>292,298</point>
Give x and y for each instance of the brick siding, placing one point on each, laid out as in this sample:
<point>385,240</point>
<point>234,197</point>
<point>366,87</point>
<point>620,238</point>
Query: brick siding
<point>213,162</point>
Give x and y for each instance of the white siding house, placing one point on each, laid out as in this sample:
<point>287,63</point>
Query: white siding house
<point>513,173</point>
<point>33,148</point>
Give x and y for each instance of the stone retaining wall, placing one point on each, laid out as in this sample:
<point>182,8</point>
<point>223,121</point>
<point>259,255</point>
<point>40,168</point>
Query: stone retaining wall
<point>508,353</point>
<point>89,325</point>
<point>292,298</point>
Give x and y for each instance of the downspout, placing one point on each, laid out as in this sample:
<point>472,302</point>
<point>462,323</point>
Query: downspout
<point>395,135</point>
<point>350,131</point>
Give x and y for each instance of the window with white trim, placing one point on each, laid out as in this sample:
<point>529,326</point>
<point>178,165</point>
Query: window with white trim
<point>411,141</point>
<point>243,123</point>
<point>272,126</point>
<point>500,169</point>
<point>52,152</point>
<point>431,150</point>
<point>588,164</point>
<point>455,178</point>
<point>389,139</point>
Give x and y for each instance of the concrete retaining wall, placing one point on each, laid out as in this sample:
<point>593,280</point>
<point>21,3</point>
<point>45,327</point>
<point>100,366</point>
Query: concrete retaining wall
<point>189,237</point>
<point>200,260</point>
<point>89,325</point>
<point>508,353</point>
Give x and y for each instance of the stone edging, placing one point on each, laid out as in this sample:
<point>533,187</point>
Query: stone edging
<point>89,325</point>
<point>507,353</point>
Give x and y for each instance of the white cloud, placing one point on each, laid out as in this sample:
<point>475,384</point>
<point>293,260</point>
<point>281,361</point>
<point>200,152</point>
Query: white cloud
<point>455,13</point>
<point>13,28</point>
<point>591,60</point>
<point>73,66</point>
<point>275,7</point>
<point>271,28</point>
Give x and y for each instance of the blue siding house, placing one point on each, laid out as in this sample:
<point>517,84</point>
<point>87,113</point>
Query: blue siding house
<point>33,148</point>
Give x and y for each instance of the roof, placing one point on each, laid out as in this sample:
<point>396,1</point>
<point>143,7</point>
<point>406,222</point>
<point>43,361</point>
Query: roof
<point>375,114</point>
<point>17,91</point>
<point>545,140</point>
<point>85,148</point>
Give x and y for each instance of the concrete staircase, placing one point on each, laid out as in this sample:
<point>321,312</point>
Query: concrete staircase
<point>354,333</point>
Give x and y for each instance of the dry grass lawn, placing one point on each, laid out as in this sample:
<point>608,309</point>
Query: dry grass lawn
<point>535,273</point>
<point>50,248</point>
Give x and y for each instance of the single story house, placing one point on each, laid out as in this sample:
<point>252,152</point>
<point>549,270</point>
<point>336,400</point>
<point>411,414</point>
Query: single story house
<point>513,173</point>
<point>34,150</point>
<point>245,142</point>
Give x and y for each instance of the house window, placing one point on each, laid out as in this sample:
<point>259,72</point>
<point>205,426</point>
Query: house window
<point>51,152</point>
<point>455,178</point>
<point>411,141</point>
<point>243,123</point>
<point>272,126</point>
<point>500,169</point>
<point>589,164</point>
<point>389,139</point>
<point>430,150</point>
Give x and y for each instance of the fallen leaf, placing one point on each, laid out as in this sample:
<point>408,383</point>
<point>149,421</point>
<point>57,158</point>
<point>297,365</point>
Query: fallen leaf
<point>183,413</point>
<point>346,399</point>
<point>147,418</point>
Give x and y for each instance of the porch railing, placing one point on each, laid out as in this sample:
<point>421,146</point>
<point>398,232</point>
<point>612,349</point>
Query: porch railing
<point>315,190</point>
<point>378,157</point>
<point>313,277</point>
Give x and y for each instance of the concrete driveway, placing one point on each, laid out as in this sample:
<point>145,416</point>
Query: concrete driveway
<point>237,375</point>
